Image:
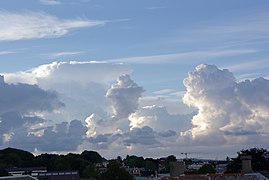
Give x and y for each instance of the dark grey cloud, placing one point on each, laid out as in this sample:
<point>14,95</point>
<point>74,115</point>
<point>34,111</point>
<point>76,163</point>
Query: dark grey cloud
<point>103,141</point>
<point>144,136</point>
<point>167,133</point>
<point>24,98</point>
<point>21,127</point>
<point>63,137</point>
<point>102,138</point>
<point>13,120</point>
<point>240,132</point>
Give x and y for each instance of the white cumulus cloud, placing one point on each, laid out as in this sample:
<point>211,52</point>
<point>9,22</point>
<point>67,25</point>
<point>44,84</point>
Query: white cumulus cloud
<point>231,112</point>
<point>124,96</point>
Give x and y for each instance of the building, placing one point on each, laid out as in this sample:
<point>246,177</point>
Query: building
<point>36,172</point>
<point>32,171</point>
<point>60,175</point>
<point>246,174</point>
<point>19,177</point>
<point>221,168</point>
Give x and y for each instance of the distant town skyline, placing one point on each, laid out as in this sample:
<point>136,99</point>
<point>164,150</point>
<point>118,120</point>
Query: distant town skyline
<point>150,78</point>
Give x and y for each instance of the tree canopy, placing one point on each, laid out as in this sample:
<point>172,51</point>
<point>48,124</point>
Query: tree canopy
<point>206,168</point>
<point>11,157</point>
<point>114,171</point>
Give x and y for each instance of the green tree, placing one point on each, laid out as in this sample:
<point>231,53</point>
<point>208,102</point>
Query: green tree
<point>206,168</point>
<point>76,163</point>
<point>60,164</point>
<point>16,157</point>
<point>47,160</point>
<point>3,169</point>
<point>134,161</point>
<point>167,161</point>
<point>115,172</point>
<point>151,164</point>
<point>91,156</point>
<point>260,160</point>
<point>90,172</point>
<point>119,160</point>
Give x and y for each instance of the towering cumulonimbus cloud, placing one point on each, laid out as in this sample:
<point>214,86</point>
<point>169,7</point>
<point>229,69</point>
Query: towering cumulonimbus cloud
<point>49,75</point>
<point>229,111</point>
<point>81,85</point>
<point>33,101</point>
<point>124,96</point>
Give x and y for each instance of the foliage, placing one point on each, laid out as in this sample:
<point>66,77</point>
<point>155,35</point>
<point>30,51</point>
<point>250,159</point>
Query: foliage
<point>91,156</point>
<point>83,162</point>
<point>134,161</point>
<point>48,160</point>
<point>114,171</point>
<point>90,171</point>
<point>260,160</point>
<point>15,157</point>
<point>76,162</point>
<point>167,161</point>
<point>2,170</point>
<point>151,164</point>
<point>206,168</point>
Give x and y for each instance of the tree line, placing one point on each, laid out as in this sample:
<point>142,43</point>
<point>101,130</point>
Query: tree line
<point>83,162</point>
<point>86,162</point>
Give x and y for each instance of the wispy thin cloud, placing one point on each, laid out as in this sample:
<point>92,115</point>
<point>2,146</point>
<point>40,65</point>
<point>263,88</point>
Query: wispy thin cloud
<point>164,91</point>
<point>250,65</point>
<point>169,93</point>
<point>247,76</point>
<point>184,57</point>
<point>6,52</point>
<point>233,33</point>
<point>50,2</point>
<point>36,25</point>
<point>156,7</point>
<point>62,54</point>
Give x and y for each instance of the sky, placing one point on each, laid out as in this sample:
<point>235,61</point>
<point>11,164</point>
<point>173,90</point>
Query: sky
<point>147,78</point>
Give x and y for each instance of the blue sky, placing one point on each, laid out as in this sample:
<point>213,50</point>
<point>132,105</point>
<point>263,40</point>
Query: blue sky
<point>118,68</point>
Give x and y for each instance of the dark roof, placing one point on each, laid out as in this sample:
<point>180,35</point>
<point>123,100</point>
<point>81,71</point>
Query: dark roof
<point>265,173</point>
<point>22,177</point>
<point>26,169</point>
<point>147,173</point>
<point>61,175</point>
